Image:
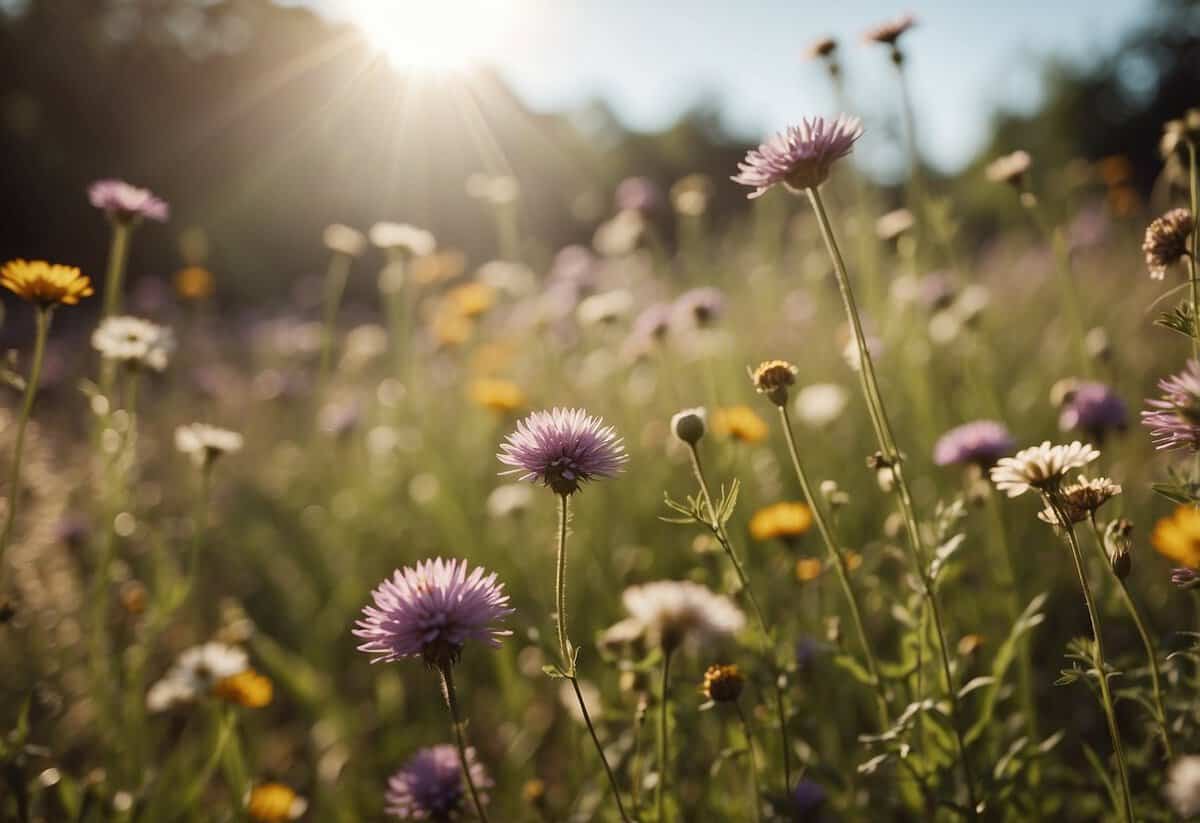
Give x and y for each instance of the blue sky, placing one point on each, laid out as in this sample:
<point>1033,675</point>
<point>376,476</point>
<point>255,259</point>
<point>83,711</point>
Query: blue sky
<point>651,59</point>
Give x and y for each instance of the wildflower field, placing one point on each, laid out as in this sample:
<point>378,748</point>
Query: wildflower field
<point>829,511</point>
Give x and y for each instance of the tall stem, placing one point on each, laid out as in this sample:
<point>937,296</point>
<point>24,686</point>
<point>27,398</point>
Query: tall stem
<point>838,560</point>
<point>663,749</point>
<point>201,524</point>
<point>118,258</point>
<point>1097,656</point>
<point>1194,197</point>
<point>31,388</point>
<point>753,761</point>
<point>1147,642</point>
<point>335,286</point>
<point>564,647</point>
<point>887,445</point>
<point>447,671</point>
<point>718,530</point>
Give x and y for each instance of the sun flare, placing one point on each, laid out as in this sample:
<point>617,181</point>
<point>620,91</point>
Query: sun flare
<point>433,35</point>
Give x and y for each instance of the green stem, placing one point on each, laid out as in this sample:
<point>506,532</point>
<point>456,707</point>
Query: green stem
<point>718,530</point>
<point>838,560</point>
<point>44,314</point>
<point>564,647</point>
<point>452,701</point>
<point>753,761</point>
<point>201,522</point>
<point>1147,642</point>
<point>1194,199</point>
<point>663,722</point>
<point>887,445</point>
<point>118,259</point>
<point>226,729</point>
<point>1097,656</point>
<point>335,285</point>
<point>1055,239</point>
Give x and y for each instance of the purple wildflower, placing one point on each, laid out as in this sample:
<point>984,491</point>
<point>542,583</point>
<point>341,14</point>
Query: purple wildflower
<point>802,157</point>
<point>575,265</point>
<point>638,194</point>
<point>806,800</point>
<point>1185,578</point>
<point>563,448</point>
<point>652,324</point>
<point>126,203</point>
<point>431,786</point>
<point>1174,418</point>
<point>432,611</point>
<point>700,307</point>
<point>982,442</point>
<point>1093,408</point>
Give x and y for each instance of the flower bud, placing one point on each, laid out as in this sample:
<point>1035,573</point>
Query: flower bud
<point>689,425</point>
<point>1117,543</point>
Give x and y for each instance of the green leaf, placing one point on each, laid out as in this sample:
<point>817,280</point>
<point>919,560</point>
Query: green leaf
<point>1029,619</point>
<point>976,683</point>
<point>856,669</point>
<point>552,670</point>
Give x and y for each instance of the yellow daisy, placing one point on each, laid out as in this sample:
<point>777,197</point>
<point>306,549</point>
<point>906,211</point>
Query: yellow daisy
<point>471,299</point>
<point>783,520</point>
<point>808,569</point>
<point>502,396</point>
<point>1178,536</point>
<point>274,803</point>
<point>740,423</point>
<point>47,284</point>
<point>246,688</point>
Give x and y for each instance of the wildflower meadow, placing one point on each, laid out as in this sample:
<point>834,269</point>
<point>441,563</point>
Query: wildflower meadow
<point>824,509</point>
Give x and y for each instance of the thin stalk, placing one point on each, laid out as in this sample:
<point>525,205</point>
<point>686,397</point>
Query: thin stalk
<point>1194,198</point>
<point>1147,642</point>
<point>887,445</point>
<point>839,562</point>
<point>118,259</point>
<point>1097,657</point>
<point>44,314</point>
<point>1054,238</point>
<point>447,671</point>
<point>753,761</point>
<point>718,530</point>
<point>226,729</point>
<point>335,285</point>
<point>663,712</point>
<point>564,647</point>
<point>201,522</point>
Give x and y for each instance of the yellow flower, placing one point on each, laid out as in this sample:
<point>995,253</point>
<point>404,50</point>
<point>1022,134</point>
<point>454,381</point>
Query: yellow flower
<point>450,328</point>
<point>274,803</point>
<point>740,423</point>
<point>46,284</point>
<point>194,283</point>
<point>246,688</point>
<point>492,358</point>
<point>808,569</point>
<point>1178,536</point>
<point>853,560</point>
<point>472,299</point>
<point>783,520</point>
<point>439,266</point>
<point>498,395</point>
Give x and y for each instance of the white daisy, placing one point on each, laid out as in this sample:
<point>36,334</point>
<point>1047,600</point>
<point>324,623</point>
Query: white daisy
<point>195,673</point>
<point>204,443</point>
<point>1040,467</point>
<point>134,342</point>
<point>672,611</point>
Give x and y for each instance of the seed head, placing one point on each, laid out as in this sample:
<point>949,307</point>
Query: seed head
<point>1166,241</point>
<point>773,378</point>
<point>723,684</point>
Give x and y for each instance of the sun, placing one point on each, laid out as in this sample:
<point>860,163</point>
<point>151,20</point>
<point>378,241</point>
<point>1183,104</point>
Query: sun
<point>433,35</point>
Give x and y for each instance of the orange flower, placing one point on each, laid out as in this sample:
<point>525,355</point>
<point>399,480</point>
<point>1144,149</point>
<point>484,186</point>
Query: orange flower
<point>194,283</point>
<point>740,423</point>
<point>1178,536</point>
<point>247,688</point>
<point>472,299</point>
<point>450,328</point>
<point>47,284</point>
<point>274,803</point>
<point>808,569</point>
<point>784,520</point>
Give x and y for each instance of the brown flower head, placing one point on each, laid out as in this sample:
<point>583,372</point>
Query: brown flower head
<point>723,684</point>
<point>773,378</point>
<point>1166,241</point>
<point>1080,499</point>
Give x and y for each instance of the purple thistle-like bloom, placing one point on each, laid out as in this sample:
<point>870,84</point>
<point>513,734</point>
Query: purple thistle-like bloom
<point>639,194</point>
<point>982,442</point>
<point>800,158</point>
<point>1093,408</point>
<point>431,785</point>
<point>126,203</point>
<point>806,800</point>
<point>432,611</point>
<point>1174,418</point>
<point>700,307</point>
<point>563,448</point>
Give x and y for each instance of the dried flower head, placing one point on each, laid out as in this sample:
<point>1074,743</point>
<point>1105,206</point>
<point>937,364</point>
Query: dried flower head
<point>888,33</point>
<point>1009,168</point>
<point>402,240</point>
<point>134,342</point>
<point>723,684</point>
<point>47,284</point>
<point>431,611</point>
<point>773,378</point>
<point>495,394</point>
<point>741,423</point>
<point>274,803</point>
<point>430,786</point>
<point>689,425</point>
<point>800,158</point>
<point>1174,418</point>
<point>562,449</point>
<point>786,520</point>
<point>980,443</point>
<point>1166,241</point>
<point>672,611</point>
<point>341,239</point>
<point>204,443</point>
<point>1178,536</point>
<point>1080,499</point>
<point>126,203</point>
<point>1040,467</point>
